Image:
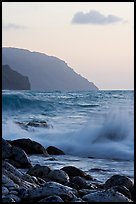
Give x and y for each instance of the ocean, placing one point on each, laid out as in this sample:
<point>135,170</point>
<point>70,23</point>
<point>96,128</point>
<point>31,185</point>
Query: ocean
<point>94,128</point>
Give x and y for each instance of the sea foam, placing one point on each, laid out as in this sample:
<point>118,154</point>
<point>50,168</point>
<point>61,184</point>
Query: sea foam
<point>113,139</point>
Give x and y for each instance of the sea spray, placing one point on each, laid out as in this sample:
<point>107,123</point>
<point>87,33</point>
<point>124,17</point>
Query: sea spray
<point>113,139</point>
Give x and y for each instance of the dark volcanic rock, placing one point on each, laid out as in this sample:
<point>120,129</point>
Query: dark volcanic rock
<point>13,80</point>
<point>80,181</point>
<point>132,191</point>
<point>11,168</point>
<point>39,171</point>
<point>6,149</point>
<point>119,180</point>
<point>21,157</point>
<point>7,199</point>
<point>15,154</point>
<point>29,146</point>
<point>53,199</point>
<point>58,176</point>
<point>73,171</point>
<point>123,190</point>
<point>106,196</point>
<point>49,189</point>
<point>54,151</point>
<point>33,123</point>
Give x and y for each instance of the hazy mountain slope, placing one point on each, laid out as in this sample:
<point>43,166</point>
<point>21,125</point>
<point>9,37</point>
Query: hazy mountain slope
<point>12,80</point>
<point>45,72</point>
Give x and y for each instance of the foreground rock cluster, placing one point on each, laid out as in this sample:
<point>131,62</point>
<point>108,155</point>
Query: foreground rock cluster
<point>43,184</point>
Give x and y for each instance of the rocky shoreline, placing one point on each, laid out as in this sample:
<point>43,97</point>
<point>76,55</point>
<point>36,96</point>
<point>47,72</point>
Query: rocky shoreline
<point>43,184</point>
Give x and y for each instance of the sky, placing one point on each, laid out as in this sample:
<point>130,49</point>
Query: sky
<point>96,39</point>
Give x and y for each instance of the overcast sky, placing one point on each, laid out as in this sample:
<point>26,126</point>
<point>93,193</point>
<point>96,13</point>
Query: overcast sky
<point>96,39</point>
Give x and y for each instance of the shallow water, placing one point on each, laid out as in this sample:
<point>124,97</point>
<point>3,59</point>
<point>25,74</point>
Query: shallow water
<point>100,169</point>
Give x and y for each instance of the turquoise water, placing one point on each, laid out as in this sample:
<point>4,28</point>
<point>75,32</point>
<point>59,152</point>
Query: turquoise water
<point>98,124</point>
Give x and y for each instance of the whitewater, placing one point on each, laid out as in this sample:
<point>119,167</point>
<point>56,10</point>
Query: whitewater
<point>94,128</point>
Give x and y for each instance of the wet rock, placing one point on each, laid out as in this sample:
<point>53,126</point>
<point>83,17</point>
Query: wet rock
<point>99,185</point>
<point>7,199</point>
<point>30,146</point>
<point>39,171</point>
<point>4,179</point>
<point>118,180</point>
<point>54,151</point>
<point>52,199</point>
<point>33,123</point>
<point>49,189</point>
<point>72,185</point>
<point>15,187</point>
<point>5,191</point>
<point>52,159</point>
<point>30,179</point>
<point>22,192</point>
<point>15,154</point>
<point>106,196</point>
<point>59,176</point>
<point>13,197</point>
<point>7,166</point>
<point>73,171</point>
<point>28,185</point>
<point>78,200</point>
<point>123,190</point>
<point>37,123</point>
<point>13,177</point>
<point>132,191</point>
<point>6,149</point>
<point>98,169</point>
<point>81,182</point>
<point>10,184</point>
<point>40,180</point>
<point>14,192</point>
<point>21,157</point>
<point>83,192</point>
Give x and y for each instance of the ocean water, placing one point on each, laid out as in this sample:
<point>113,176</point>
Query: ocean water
<point>95,129</point>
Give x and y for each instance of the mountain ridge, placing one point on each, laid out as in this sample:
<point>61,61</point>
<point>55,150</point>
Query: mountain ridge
<point>45,72</point>
<point>12,80</point>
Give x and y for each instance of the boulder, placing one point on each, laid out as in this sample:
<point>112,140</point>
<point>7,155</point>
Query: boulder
<point>13,177</point>
<point>21,158</point>
<point>12,196</point>
<point>59,176</point>
<point>73,171</point>
<point>54,151</point>
<point>39,171</point>
<point>49,189</point>
<point>132,191</point>
<point>29,146</point>
<point>106,196</point>
<point>53,199</point>
<point>80,181</point>
<point>123,190</point>
<point>119,180</point>
<point>16,155</point>
<point>8,199</point>
<point>83,192</point>
<point>5,190</point>
<point>6,149</point>
<point>7,166</point>
<point>33,123</point>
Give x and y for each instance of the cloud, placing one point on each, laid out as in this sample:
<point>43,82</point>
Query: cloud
<point>95,17</point>
<point>13,26</point>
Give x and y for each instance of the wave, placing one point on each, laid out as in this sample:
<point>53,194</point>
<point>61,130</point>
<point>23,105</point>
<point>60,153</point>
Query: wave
<point>21,102</point>
<point>43,102</point>
<point>111,140</point>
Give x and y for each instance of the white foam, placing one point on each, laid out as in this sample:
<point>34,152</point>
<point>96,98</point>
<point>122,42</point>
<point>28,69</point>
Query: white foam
<point>113,139</point>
